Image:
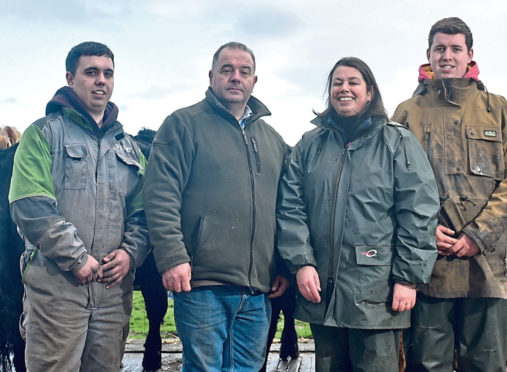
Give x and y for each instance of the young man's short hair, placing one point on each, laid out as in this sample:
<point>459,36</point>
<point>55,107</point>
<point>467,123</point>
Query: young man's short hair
<point>88,48</point>
<point>451,26</point>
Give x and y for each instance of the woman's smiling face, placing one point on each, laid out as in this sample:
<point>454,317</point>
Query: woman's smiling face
<point>349,93</point>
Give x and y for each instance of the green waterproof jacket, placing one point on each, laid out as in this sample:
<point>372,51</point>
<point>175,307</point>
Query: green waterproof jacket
<point>210,194</point>
<point>364,215</point>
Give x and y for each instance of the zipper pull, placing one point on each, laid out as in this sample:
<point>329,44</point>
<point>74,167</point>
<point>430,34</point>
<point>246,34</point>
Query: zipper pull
<point>254,145</point>
<point>244,136</point>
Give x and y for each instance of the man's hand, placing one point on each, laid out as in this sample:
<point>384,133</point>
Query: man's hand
<point>308,283</point>
<point>465,247</point>
<point>90,272</point>
<point>177,278</point>
<point>279,286</point>
<point>445,240</point>
<point>403,297</point>
<point>115,266</point>
<point>449,246</point>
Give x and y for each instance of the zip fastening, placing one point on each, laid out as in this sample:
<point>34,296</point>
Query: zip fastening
<point>252,184</point>
<point>330,278</point>
<point>427,138</point>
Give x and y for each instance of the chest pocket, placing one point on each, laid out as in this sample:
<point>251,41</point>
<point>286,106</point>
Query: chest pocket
<point>75,167</point>
<point>128,169</point>
<point>485,152</point>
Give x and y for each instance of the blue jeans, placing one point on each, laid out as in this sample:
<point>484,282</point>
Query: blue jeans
<point>222,328</point>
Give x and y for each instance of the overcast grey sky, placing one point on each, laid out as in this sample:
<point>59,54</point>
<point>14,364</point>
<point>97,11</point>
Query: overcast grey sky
<point>163,50</point>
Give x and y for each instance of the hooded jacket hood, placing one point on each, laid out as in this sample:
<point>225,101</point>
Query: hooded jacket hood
<point>425,72</point>
<point>66,97</point>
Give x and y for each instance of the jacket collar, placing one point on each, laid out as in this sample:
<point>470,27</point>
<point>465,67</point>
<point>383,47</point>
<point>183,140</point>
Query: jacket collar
<point>425,72</point>
<point>258,108</point>
<point>66,100</point>
<point>366,129</point>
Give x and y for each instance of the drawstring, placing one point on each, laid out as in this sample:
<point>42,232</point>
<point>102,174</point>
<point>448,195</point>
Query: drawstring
<point>481,86</point>
<point>408,163</point>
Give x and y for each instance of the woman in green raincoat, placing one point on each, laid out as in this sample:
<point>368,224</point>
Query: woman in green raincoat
<point>356,225</point>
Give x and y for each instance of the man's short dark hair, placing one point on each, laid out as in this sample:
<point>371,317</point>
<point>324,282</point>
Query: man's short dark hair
<point>232,45</point>
<point>451,26</point>
<point>88,48</point>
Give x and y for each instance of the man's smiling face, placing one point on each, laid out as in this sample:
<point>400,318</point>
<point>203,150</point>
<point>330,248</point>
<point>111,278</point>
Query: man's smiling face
<point>93,83</point>
<point>449,56</point>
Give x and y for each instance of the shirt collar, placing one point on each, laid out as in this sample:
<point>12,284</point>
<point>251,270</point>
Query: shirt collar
<point>248,112</point>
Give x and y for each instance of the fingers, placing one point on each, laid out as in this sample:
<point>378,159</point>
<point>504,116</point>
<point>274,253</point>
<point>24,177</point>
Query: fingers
<point>404,297</point>
<point>309,283</point>
<point>280,284</point>
<point>445,240</point>
<point>177,278</point>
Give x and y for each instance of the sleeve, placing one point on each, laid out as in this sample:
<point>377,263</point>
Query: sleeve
<point>400,115</point>
<point>491,223</point>
<point>416,208</point>
<point>167,174</point>
<point>292,220</point>
<point>33,204</point>
<point>136,241</point>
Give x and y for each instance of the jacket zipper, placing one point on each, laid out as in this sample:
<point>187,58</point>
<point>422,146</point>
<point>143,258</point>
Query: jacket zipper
<point>330,277</point>
<point>427,138</point>
<point>252,184</point>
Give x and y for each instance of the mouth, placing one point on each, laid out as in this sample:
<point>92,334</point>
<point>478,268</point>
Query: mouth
<point>99,92</point>
<point>446,67</point>
<point>346,99</point>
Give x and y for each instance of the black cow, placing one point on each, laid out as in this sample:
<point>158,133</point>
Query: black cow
<point>11,287</point>
<point>149,281</point>
<point>286,304</point>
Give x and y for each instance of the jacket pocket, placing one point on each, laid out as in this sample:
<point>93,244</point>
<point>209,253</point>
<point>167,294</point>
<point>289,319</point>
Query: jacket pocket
<point>485,152</point>
<point>26,260</point>
<point>75,167</point>
<point>128,170</point>
<point>373,273</point>
<point>256,155</point>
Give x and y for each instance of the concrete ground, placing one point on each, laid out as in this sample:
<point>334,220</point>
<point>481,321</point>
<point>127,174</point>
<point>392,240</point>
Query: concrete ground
<point>171,357</point>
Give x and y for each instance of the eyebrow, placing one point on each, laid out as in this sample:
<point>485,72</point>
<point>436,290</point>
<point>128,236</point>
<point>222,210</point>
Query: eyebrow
<point>240,67</point>
<point>93,68</point>
<point>350,78</point>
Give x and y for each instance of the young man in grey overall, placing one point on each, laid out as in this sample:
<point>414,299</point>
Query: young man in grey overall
<point>76,196</point>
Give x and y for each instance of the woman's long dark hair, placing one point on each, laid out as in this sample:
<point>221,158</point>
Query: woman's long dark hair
<point>376,106</point>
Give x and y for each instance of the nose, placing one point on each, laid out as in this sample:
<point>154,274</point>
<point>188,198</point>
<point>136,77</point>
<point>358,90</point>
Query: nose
<point>101,79</point>
<point>447,54</point>
<point>345,87</point>
<point>235,75</point>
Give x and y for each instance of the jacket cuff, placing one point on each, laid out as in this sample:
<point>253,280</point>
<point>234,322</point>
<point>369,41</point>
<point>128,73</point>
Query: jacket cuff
<point>80,262</point>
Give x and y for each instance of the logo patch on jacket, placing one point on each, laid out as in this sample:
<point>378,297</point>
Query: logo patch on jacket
<point>490,133</point>
<point>370,253</point>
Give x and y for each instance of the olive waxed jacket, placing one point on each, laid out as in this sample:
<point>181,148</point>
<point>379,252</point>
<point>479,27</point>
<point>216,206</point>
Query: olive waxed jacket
<point>364,215</point>
<point>463,130</point>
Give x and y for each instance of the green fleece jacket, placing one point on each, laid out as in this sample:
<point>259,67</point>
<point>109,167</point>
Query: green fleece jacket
<point>210,194</point>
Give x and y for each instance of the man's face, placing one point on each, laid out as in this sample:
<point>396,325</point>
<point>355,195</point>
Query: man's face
<point>233,78</point>
<point>449,56</point>
<point>93,83</point>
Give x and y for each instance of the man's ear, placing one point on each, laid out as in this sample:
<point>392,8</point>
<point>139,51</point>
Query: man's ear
<point>70,78</point>
<point>470,55</point>
<point>210,74</point>
<point>428,54</point>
